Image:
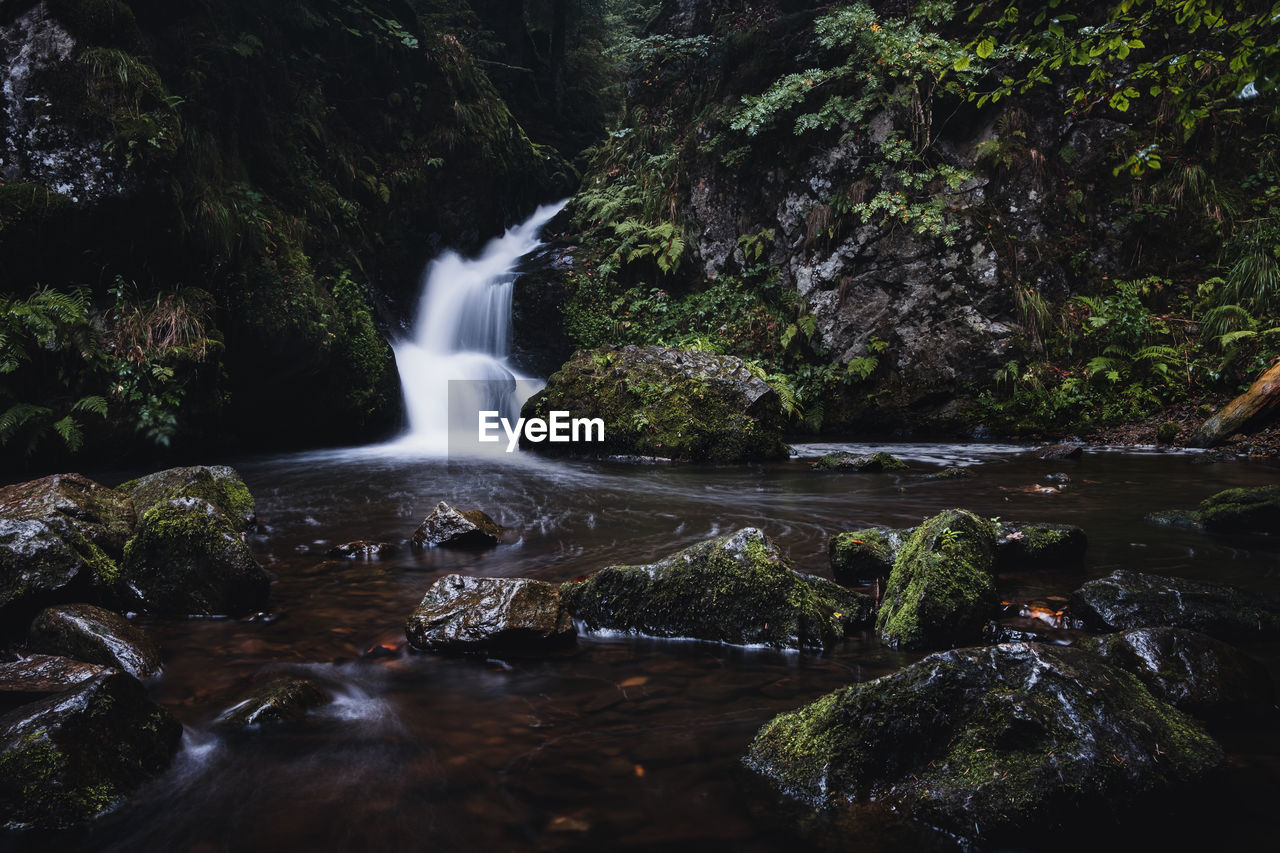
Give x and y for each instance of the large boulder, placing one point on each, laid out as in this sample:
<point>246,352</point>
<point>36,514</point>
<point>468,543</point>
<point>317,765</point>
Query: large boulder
<point>281,700</point>
<point>93,634</point>
<point>220,485</point>
<point>104,516</point>
<point>1039,546</point>
<point>1254,510</point>
<point>986,742</point>
<point>942,588</point>
<point>861,556</point>
<point>76,754</point>
<point>1125,600</point>
<point>460,613</point>
<point>1189,670</point>
<point>457,528</point>
<point>657,401</point>
<point>189,559</point>
<point>735,589</point>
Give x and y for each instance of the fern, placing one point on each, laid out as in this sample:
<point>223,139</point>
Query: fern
<point>69,431</point>
<point>862,367</point>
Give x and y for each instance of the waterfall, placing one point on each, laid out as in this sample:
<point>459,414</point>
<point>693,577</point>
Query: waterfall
<point>463,332</point>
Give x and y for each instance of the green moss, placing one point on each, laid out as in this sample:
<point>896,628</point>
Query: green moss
<point>860,556</point>
<point>219,485</point>
<point>1245,510</point>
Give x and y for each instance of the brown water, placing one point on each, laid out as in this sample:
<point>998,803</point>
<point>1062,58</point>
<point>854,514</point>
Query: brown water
<point>624,742</point>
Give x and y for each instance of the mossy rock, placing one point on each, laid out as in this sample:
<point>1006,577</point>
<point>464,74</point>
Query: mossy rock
<point>686,405</point>
<point>1176,518</point>
<point>507,615</point>
<point>1190,670</point>
<point>942,589</point>
<point>77,754</point>
<point>1039,546</point>
<point>734,589</point>
<point>986,743</point>
<point>1255,510</point>
<point>220,485</point>
<point>106,517</point>
<point>861,556</point>
<point>859,463</point>
<point>189,559</point>
<point>1125,600</point>
<point>43,562</point>
<point>96,635</point>
<point>282,700</point>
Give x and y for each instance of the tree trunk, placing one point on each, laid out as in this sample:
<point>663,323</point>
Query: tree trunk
<point>1248,411</point>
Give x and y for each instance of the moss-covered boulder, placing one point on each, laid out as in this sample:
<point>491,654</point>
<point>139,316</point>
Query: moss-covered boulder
<point>734,589</point>
<point>1254,510</point>
<point>96,635</point>
<point>104,516</point>
<point>1125,600</point>
<point>1039,546</point>
<point>861,556</point>
<point>220,485</point>
<point>656,401</point>
<point>281,700</point>
<point>858,463</point>
<point>987,742</point>
<point>456,528</point>
<point>460,613</point>
<point>188,559</point>
<point>1190,670</point>
<point>76,754</point>
<point>942,588</point>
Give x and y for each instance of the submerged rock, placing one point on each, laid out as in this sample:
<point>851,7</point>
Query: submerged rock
<point>281,700</point>
<point>1190,670</point>
<point>1057,452</point>
<point>188,558</point>
<point>986,742</point>
<point>460,613</point>
<point>1040,546</point>
<point>942,588</point>
<point>656,401</point>
<point>861,556</point>
<point>362,549</point>
<point>733,589</point>
<point>1255,510</point>
<point>859,463</point>
<point>220,485</point>
<point>76,754</point>
<point>454,528</point>
<point>951,472</point>
<point>96,635</point>
<point>1176,518</point>
<point>1125,600</point>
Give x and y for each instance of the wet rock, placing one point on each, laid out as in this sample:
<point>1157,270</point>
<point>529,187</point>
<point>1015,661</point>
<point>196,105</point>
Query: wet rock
<point>860,556</point>
<point>951,472</point>
<point>281,700</point>
<point>1059,477</point>
<point>1039,546</point>
<point>455,528</point>
<point>1125,600</point>
<point>362,549</point>
<point>188,558</point>
<point>1255,510</point>
<point>852,609</point>
<point>461,613</point>
<point>942,587</point>
<point>734,589</point>
<point>656,401</point>
<point>987,742</point>
<point>220,485</point>
<point>859,463</point>
<point>93,634</point>
<point>104,516</point>
<point>74,755</point>
<point>1189,670</point>
<point>1056,452</point>
<point>27,678</point>
<point>1175,518</point>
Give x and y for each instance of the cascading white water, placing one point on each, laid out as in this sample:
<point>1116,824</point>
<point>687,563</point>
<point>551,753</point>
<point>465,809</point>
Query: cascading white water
<point>463,331</point>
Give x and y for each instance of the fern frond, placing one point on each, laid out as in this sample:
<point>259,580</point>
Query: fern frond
<point>69,431</point>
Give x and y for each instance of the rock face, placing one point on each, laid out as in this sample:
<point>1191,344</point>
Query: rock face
<point>220,485</point>
<point>1189,670</point>
<point>1125,600</point>
<point>656,401</point>
<point>861,556</point>
<point>734,589</point>
<point>73,755</point>
<point>188,558</point>
<point>984,742</point>
<point>942,587</point>
<point>455,528</point>
<point>95,635</point>
<point>281,700</point>
<point>469,614</point>
<point>859,463</point>
<point>1242,511</point>
<point>1040,546</point>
